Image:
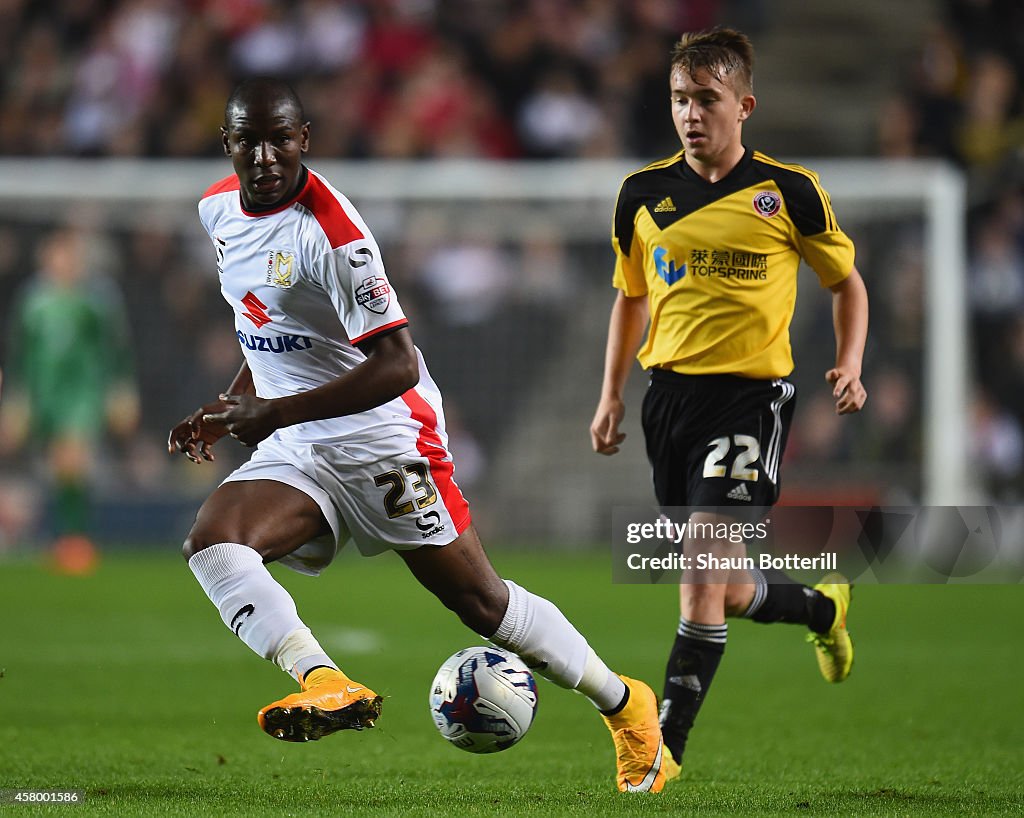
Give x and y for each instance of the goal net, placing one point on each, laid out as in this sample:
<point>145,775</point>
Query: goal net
<point>505,272</point>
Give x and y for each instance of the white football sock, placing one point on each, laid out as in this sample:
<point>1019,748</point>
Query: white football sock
<point>536,631</point>
<point>300,653</point>
<point>255,607</point>
<point>604,688</point>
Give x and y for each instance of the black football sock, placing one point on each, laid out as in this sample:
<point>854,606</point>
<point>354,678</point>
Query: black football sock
<point>691,666</point>
<point>780,598</point>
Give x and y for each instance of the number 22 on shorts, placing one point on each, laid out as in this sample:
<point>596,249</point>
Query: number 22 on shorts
<point>749,452</point>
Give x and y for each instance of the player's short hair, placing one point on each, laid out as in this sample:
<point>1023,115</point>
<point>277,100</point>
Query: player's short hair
<point>258,87</point>
<point>719,51</point>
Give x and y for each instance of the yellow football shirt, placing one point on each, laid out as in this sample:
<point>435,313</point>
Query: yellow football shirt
<point>718,261</point>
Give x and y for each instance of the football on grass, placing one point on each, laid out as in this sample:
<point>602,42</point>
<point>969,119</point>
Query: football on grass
<point>483,699</point>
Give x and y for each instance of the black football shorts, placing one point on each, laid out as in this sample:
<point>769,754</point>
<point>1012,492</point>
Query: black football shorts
<point>716,440</point>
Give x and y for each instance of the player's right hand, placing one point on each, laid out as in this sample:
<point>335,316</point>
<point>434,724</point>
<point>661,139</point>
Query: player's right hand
<point>194,436</point>
<point>605,436</point>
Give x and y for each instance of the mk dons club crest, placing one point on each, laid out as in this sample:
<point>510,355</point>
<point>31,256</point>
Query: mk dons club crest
<point>280,269</point>
<point>374,294</point>
<point>767,203</point>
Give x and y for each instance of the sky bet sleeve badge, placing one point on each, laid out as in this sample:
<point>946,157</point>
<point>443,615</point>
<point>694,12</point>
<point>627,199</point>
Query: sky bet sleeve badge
<point>374,294</point>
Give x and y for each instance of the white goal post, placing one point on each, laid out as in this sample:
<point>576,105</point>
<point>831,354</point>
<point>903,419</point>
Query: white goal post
<point>576,198</point>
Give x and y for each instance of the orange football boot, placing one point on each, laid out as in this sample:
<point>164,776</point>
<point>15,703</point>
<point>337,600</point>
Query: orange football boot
<point>329,701</point>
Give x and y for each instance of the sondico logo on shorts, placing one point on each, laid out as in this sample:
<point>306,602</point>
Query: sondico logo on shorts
<point>430,524</point>
<point>280,269</point>
<point>374,294</point>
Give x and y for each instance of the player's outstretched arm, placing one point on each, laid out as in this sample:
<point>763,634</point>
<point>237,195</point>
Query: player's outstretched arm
<point>193,436</point>
<point>850,321</point>
<point>391,368</point>
<point>625,332</point>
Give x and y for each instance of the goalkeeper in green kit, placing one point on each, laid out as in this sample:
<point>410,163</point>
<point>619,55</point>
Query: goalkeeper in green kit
<point>68,376</point>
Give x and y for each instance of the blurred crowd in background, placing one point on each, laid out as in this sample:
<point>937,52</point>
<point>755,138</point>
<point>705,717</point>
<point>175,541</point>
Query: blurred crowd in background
<point>420,79</point>
<point>963,100</point>
<point>381,78</point>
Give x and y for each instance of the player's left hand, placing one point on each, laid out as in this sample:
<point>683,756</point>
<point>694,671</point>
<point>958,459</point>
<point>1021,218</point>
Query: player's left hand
<point>247,418</point>
<point>847,389</point>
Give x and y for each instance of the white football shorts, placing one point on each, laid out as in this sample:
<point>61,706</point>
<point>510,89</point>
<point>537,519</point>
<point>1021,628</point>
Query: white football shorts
<point>392,494</point>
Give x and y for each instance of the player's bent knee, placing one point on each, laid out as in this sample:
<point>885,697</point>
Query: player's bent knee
<point>198,540</point>
<point>698,587</point>
<point>195,542</point>
<point>737,599</point>
<point>193,545</point>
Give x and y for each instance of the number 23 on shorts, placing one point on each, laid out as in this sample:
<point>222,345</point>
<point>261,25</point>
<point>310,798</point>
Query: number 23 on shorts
<point>414,475</point>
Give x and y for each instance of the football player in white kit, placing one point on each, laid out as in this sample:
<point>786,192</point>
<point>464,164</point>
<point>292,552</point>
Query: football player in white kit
<point>349,443</point>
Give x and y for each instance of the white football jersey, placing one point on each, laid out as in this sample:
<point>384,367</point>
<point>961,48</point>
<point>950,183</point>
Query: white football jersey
<point>306,283</point>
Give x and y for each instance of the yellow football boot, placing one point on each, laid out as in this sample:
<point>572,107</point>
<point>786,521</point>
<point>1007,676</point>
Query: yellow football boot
<point>671,767</point>
<point>640,754</point>
<point>329,701</point>
<point>834,648</point>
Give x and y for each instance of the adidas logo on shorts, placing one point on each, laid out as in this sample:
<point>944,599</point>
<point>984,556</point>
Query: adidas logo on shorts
<point>740,493</point>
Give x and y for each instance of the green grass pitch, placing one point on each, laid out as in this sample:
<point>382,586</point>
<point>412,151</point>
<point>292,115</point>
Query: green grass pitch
<point>126,684</point>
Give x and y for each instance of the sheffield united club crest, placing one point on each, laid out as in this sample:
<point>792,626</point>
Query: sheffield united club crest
<point>767,203</point>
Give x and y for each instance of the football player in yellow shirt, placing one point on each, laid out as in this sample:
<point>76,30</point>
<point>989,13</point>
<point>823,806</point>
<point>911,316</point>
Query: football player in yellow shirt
<point>707,246</point>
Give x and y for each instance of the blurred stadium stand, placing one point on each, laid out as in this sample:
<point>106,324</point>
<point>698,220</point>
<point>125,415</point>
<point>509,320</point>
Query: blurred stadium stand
<point>512,321</point>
